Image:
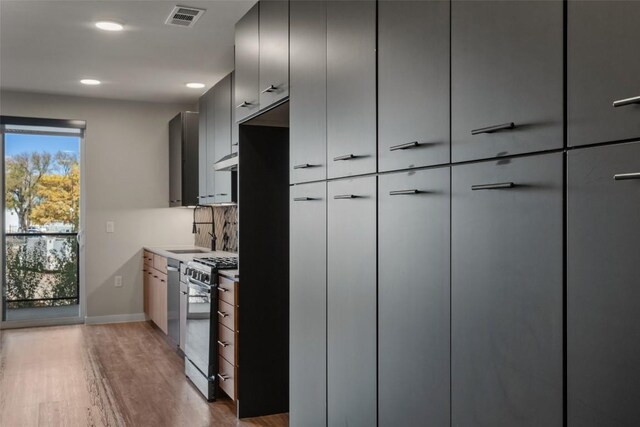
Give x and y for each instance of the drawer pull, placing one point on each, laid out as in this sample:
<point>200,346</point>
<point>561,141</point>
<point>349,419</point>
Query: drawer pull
<point>244,104</point>
<point>221,314</point>
<point>628,101</point>
<point>223,344</point>
<point>626,176</point>
<point>184,293</point>
<point>345,196</point>
<point>492,129</point>
<point>223,289</point>
<point>270,89</point>
<point>303,199</point>
<point>223,377</point>
<point>404,146</point>
<point>302,166</point>
<point>345,157</point>
<point>403,192</point>
<point>498,186</point>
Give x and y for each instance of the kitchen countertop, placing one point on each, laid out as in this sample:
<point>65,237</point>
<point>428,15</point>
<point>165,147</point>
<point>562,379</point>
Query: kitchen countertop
<point>164,251</point>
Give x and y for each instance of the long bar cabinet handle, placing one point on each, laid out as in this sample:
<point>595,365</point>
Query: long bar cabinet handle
<point>244,104</point>
<point>302,166</point>
<point>403,192</point>
<point>626,176</point>
<point>223,377</point>
<point>404,146</point>
<point>628,101</point>
<point>223,344</point>
<point>491,129</point>
<point>271,88</point>
<point>345,196</point>
<point>221,314</point>
<point>303,199</point>
<point>497,186</point>
<point>345,157</point>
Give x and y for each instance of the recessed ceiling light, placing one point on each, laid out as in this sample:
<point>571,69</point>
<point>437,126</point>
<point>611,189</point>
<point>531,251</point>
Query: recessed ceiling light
<point>195,85</point>
<point>90,82</point>
<point>109,26</point>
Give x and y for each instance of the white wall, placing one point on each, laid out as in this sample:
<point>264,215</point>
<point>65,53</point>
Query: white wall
<point>126,180</point>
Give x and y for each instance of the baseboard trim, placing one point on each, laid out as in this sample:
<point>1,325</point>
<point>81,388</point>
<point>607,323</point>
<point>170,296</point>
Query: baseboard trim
<point>115,318</point>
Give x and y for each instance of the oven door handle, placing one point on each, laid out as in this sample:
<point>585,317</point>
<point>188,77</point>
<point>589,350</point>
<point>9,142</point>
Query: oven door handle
<point>199,286</point>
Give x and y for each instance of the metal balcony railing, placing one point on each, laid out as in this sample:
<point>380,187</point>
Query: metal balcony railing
<point>40,270</point>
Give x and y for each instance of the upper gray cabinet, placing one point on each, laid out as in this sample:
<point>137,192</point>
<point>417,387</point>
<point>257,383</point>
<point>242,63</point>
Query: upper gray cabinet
<point>351,87</point>
<point>202,148</point>
<point>414,298</point>
<point>308,93</point>
<point>274,51</point>
<point>603,71</point>
<point>603,348</point>
<point>222,139</point>
<point>235,128</point>
<point>507,292</point>
<point>183,160</point>
<point>247,63</point>
<point>506,77</point>
<point>413,83</point>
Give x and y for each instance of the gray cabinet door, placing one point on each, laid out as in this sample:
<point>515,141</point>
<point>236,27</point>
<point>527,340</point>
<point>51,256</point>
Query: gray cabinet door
<point>351,303</point>
<point>235,130</point>
<point>202,149</point>
<point>414,298</point>
<point>247,71</point>
<point>413,84</point>
<point>175,161</point>
<point>603,292</point>
<point>506,67</point>
<point>211,144</point>
<point>222,138</point>
<point>351,87</point>
<point>308,99</point>
<point>507,293</point>
<point>603,66</point>
<point>274,51</point>
<point>308,306</point>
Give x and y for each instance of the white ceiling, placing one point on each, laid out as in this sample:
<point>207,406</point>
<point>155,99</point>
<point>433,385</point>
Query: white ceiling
<point>48,46</point>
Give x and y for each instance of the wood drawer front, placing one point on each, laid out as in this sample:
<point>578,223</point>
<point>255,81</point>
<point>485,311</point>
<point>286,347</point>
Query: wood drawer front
<point>226,315</point>
<point>148,258</point>
<point>227,290</point>
<point>227,377</point>
<point>227,343</point>
<point>160,263</point>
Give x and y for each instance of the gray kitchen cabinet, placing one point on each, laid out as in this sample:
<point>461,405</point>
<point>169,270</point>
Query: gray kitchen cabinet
<point>414,298</point>
<point>211,144</point>
<point>506,78</point>
<point>413,83</point>
<point>247,64</point>
<point>351,303</point>
<point>202,149</point>
<point>235,128</point>
<point>507,292</point>
<point>183,159</point>
<point>351,87</point>
<point>308,98</point>
<point>308,306</point>
<point>274,51</point>
<point>603,66</point>
<point>221,139</point>
<point>603,348</point>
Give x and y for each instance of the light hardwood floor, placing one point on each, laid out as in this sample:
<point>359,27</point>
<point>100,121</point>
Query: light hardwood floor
<point>105,375</point>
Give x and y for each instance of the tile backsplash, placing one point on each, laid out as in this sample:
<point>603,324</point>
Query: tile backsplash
<point>225,218</point>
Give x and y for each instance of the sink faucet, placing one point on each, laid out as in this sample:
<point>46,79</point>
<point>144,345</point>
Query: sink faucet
<point>213,240</point>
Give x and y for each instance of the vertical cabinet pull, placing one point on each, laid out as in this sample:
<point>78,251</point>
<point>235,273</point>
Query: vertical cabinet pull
<point>345,157</point>
<point>626,176</point>
<point>497,186</point>
<point>403,192</point>
<point>628,101</point>
<point>491,129</point>
<point>404,146</point>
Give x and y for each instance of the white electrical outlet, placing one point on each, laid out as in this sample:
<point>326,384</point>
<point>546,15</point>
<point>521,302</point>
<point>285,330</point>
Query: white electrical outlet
<point>111,227</point>
<point>118,282</point>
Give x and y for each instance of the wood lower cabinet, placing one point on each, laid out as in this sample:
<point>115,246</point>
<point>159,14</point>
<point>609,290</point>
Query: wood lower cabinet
<point>155,290</point>
<point>414,298</point>
<point>228,336</point>
<point>308,305</point>
<point>507,292</point>
<point>603,291</point>
<point>351,303</point>
<point>506,67</point>
<point>603,66</point>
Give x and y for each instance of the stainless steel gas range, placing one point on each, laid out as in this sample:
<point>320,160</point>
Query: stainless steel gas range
<point>201,358</point>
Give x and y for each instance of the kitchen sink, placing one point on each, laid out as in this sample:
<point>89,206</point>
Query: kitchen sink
<point>187,251</point>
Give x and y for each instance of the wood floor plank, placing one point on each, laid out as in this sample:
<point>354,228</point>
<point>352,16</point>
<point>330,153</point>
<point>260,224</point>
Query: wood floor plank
<point>104,376</point>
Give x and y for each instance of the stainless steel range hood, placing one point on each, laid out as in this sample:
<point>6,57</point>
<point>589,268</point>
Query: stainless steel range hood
<point>227,163</point>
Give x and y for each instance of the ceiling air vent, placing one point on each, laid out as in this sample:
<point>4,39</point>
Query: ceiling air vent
<point>184,16</point>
